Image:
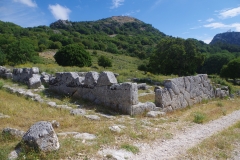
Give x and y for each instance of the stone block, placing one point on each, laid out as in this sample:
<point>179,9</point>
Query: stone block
<point>106,78</point>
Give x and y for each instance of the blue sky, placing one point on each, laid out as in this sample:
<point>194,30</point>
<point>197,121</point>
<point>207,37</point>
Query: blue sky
<point>199,19</point>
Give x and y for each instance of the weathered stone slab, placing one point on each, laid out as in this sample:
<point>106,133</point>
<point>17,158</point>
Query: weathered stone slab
<point>106,78</point>
<point>42,136</point>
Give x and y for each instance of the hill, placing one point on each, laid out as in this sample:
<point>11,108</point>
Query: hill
<point>232,38</point>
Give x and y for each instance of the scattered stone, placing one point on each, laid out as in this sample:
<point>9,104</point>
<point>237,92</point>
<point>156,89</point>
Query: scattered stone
<point>77,112</point>
<point>67,134</point>
<point>63,107</point>
<point>14,154</point>
<point>117,128</point>
<point>85,136</point>
<point>4,116</point>
<point>42,136</point>
<point>142,86</point>
<point>155,114</point>
<point>55,124</point>
<point>52,104</point>
<point>93,117</point>
<point>13,132</point>
<point>107,116</point>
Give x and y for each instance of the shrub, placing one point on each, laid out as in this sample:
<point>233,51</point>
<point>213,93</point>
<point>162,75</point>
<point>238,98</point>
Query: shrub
<point>104,61</point>
<point>199,117</point>
<point>73,55</point>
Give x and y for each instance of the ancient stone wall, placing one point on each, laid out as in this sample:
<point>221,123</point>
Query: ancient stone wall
<point>186,91</point>
<point>102,89</point>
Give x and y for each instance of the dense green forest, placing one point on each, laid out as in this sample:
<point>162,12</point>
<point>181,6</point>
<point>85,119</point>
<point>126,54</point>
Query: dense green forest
<point>117,35</point>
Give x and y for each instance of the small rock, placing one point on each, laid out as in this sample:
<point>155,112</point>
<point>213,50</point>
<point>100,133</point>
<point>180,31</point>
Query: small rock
<point>77,112</point>
<point>155,114</point>
<point>14,154</point>
<point>85,136</point>
<point>63,107</point>
<point>13,132</point>
<point>55,124</point>
<point>93,117</point>
<point>117,128</point>
<point>4,116</point>
<point>52,104</point>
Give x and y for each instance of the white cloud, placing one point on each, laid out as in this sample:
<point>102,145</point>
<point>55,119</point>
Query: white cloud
<point>59,12</point>
<point>157,3</point>
<point>29,3</point>
<point>210,20</point>
<point>235,26</point>
<point>229,13</point>
<point>116,3</point>
<point>131,13</point>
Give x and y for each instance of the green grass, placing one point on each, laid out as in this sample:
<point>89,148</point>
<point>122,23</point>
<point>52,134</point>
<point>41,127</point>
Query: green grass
<point>130,148</point>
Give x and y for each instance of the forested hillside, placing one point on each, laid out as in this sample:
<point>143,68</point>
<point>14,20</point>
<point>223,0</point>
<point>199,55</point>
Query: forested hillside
<point>116,35</point>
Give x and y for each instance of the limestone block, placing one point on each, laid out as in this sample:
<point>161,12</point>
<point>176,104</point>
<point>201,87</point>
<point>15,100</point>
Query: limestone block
<point>42,136</point>
<point>141,108</point>
<point>91,79</point>
<point>187,84</point>
<point>34,70</point>
<point>162,98</point>
<point>34,82</point>
<point>106,78</point>
<point>172,85</point>
<point>155,114</point>
<point>218,92</point>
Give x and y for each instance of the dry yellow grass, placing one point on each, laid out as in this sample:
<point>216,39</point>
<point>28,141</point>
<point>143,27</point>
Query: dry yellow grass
<point>25,112</point>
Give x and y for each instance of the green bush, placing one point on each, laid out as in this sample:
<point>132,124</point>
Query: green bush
<point>73,55</point>
<point>199,117</point>
<point>104,61</point>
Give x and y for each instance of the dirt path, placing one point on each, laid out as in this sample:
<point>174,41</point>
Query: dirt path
<point>172,148</point>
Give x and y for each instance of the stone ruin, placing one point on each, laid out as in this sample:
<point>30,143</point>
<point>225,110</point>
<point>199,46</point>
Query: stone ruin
<point>103,89</point>
<point>186,91</point>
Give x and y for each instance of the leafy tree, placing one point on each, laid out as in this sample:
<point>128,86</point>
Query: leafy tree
<point>214,63</point>
<point>231,70</point>
<point>104,61</point>
<point>73,55</point>
<point>175,56</point>
<point>2,58</point>
<point>20,52</point>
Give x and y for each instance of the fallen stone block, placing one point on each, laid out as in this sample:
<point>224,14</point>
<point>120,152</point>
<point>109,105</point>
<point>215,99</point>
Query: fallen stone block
<point>41,136</point>
<point>155,114</point>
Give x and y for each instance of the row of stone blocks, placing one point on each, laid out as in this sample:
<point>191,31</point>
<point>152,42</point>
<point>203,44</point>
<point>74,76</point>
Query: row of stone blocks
<point>100,88</point>
<point>104,89</point>
<point>186,91</point>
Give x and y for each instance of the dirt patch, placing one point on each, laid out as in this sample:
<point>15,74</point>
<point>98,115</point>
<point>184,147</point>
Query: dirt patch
<point>48,54</point>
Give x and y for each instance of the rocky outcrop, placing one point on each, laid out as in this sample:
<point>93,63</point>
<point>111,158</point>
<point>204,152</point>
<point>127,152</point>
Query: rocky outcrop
<point>41,136</point>
<point>186,91</point>
<point>232,38</point>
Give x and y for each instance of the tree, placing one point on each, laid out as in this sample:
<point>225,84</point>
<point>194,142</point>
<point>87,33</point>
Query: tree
<point>21,51</point>
<point>231,70</point>
<point>73,55</point>
<point>104,61</point>
<point>2,58</point>
<point>214,63</point>
<point>175,56</point>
